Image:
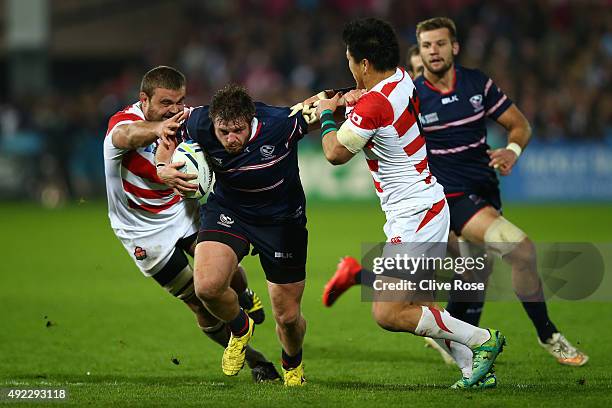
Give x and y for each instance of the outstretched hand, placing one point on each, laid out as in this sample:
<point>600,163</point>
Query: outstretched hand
<point>167,129</point>
<point>177,180</point>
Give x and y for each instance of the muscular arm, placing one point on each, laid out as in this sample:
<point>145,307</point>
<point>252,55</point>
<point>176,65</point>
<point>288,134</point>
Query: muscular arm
<point>519,133</point>
<point>137,134</point>
<point>519,130</point>
<point>339,146</point>
<point>335,152</point>
<point>143,133</point>
<point>338,117</point>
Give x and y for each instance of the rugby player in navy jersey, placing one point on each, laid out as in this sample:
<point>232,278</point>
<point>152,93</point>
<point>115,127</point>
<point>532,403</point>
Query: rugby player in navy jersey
<point>257,201</point>
<point>158,228</point>
<point>454,104</point>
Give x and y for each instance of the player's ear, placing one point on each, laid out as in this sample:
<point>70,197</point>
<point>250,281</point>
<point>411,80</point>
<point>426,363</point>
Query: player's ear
<point>455,48</point>
<point>365,65</point>
<point>143,97</point>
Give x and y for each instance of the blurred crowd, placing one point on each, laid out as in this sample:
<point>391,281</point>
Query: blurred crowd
<point>552,57</point>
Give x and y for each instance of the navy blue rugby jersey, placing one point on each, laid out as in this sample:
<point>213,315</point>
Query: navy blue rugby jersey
<point>454,126</point>
<point>262,183</point>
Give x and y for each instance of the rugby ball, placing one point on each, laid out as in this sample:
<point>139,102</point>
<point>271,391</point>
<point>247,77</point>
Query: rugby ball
<point>196,162</point>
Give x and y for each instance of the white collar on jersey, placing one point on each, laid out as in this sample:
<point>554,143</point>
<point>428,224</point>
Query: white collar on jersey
<point>397,76</point>
<point>254,124</point>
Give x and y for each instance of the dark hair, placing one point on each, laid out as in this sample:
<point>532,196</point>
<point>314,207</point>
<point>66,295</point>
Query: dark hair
<point>413,50</point>
<point>162,77</point>
<point>232,103</point>
<point>436,23</point>
<point>374,40</point>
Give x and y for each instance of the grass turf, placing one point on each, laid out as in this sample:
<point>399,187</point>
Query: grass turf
<point>76,314</point>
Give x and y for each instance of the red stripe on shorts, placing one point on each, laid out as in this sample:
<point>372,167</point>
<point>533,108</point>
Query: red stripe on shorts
<point>433,211</point>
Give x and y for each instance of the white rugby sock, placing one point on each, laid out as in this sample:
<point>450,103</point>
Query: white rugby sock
<point>462,354</point>
<point>439,324</point>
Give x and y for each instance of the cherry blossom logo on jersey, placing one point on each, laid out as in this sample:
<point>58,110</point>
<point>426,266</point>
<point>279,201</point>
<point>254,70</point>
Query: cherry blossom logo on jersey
<point>139,253</point>
<point>476,102</point>
<point>225,220</point>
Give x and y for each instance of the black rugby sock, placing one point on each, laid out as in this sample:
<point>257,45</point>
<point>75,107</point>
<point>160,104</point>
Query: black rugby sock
<point>536,309</point>
<point>291,361</point>
<point>538,313</point>
<point>239,326</point>
<point>469,312</point>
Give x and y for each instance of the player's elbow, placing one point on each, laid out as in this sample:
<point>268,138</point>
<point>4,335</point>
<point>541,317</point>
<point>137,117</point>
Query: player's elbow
<point>121,139</point>
<point>335,160</point>
<point>337,156</point>
<point>528,129</point>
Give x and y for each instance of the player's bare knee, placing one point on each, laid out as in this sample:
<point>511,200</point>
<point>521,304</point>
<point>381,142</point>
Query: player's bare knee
<point>523,256</point>
<point>288,317</point>
<point>502,238</point>
<point>209,289</point>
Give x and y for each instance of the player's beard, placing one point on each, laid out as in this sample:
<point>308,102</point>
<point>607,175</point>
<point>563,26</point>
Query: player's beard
<point>152,115</point>
<point>447,63</point>
<point>234,149</point>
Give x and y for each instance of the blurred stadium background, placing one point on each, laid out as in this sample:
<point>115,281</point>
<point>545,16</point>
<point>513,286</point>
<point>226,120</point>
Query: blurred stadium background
<point>66,66</point>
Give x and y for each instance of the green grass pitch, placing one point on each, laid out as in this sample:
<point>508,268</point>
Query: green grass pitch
<point>75,313</point>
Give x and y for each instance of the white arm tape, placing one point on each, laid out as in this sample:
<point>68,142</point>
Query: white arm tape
<point>351,140</point>
<point>515,148</point>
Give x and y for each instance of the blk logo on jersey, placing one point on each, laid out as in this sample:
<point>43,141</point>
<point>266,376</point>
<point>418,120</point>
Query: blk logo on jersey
<point>217,160</point>
<point>225,220</point>
<point>140,253</point>
<point>267,151</point>
<point>283,255</point>
<point>450,99</point>
<point>476,102</point>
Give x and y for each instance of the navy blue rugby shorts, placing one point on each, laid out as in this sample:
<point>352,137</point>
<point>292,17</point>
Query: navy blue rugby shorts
<point>282,246</point>
<point>464,205</point>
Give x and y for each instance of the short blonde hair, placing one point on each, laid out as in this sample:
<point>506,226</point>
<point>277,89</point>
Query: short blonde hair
<point>436,23</point>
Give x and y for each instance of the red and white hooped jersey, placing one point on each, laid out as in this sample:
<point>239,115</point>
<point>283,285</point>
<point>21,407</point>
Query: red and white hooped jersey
<point>387,116</point>
<point>137,198</point>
